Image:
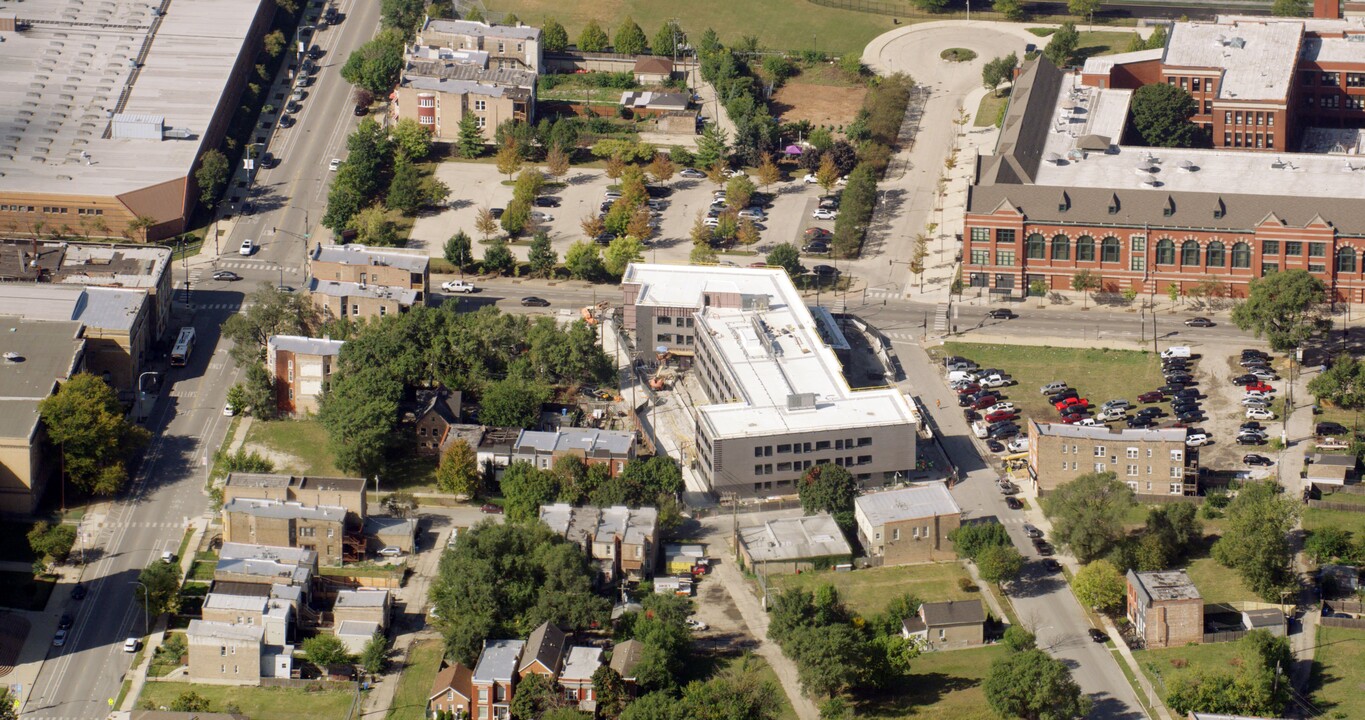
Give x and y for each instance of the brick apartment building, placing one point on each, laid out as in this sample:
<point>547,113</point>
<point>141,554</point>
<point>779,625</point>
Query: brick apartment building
<point>1151,462</point>
<point>620,540</point>
<point>1165,608</point>
<point>354,281</point>
<point>301,367</point>
<point>908,525</point>
<point>594,447</point>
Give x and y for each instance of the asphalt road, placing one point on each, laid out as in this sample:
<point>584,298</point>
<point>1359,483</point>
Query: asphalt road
<point>80,679</point>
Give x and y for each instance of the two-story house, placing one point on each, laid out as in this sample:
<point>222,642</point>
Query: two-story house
<point>611,448</point>
<point>621,540</point>
<point>544,652</point>
<point>908,525</point>
<point>1165,608</point>
<point>355,281</point>
<point>495,679</point>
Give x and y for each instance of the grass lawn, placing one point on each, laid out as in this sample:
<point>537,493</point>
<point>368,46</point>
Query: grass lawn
<point>1339,673</point>
<point>941,685</point>
<point>204,565</point>
<point>258,703</point>
<point>1316,518</point>
<point>1161,665</point>
<point>303,441</point>
<point>1218,584</point>
<point>1098,375</point>
<point>1102,42</point>
<point>23,591</point>
<point>868,591</point>
<point>991,109</point>
<point>360,570</point>
<point>410,699</point>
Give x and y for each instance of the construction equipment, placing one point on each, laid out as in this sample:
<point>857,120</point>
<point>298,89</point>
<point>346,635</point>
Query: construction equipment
<point>593,314</point>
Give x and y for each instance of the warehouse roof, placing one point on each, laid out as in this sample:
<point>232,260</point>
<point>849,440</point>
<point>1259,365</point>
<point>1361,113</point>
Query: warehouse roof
<point>1256,56</point>
<point>361,255</point>
<point>800,538</point>
<point>479,29</point>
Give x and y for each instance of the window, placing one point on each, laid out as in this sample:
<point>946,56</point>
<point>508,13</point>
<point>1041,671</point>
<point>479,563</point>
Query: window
<point>1099,451</point>
<point>981,257</point>
<point>1177,489</point>
<point>784,467</point>
<point>981,234</point>
<point>1036,247</point>
<point>664,320</point>
<point>1189,253</point>
<point>1004,257</point>
<point>1317,268</point>
<point>1101,467</point>
<point>1213,256</point>
<point>1227,117</point>
<point>1331,78</point>
<point>1293,248</point>
<point>1260,118</point>
<point>426,101</point>
<point>1165,251</point>
<point>1004,280</point>
<point>1355,79</point>
<point>895,533</point>
<point>1346,260</point>
<point>1270,247</point>
<point>1132,453</point>
<point>821,445</point>
<point>1132,470</point>
<point>1269,267</point>
<point>481,122</point>
<point>1004,236</point>
<point>1109,249</point>
<point>1241,255</point>
<point>1177,455</point>
<point>1194,84</point>
<point>1061,247</point>
<point>1208,107</point>
<point>426,120</point>
<point>480,105</point>
<point>1227,138</point>
<point>1085,248</point>
<point>1317,249</point>
<point>1137,263</point>
<point>978,279</point>
<point>1177,471</point>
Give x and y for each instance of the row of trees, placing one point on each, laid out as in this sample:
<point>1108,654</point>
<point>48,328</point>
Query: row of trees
<point>655,481</point>
<point>382,160</point>
<point>756,131</point>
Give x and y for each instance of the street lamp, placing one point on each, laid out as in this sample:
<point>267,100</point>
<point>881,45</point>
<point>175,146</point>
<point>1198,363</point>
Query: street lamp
<point>146,615</point>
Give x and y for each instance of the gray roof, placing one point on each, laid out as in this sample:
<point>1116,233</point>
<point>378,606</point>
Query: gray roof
<point>801,538</point>
<point>206,631</point>
<point>299,482</point>
<point>357,628</point>
<point>634,526</point>
<point>403,296</point>
<point>1102,432</point>
<point>465,87</point>
<point>581,663</point>
<point>1163,585</point>
<point>1265,617</point>
<point>97,307</point>
<point>223,601</point>
<point>273,553</point>
<point>917,501</point>
<point>1020,146</point>
<point>953,612</point>
<point>545,645</point>
<point>452,70</point>
<point>593,442</point>
<point>361,598</point>
<point>498,661</point>
<point>47,352</point>
<point>301,345</point>
<point>1346,461</point>
<point>385,526</point>
<point>625,656</point>
<point>285,509</point>
<point>409,260</point>
<point>478,29</point>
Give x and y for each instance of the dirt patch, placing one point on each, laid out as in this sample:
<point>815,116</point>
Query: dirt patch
<point>283,461</point>
<point>820,104</point>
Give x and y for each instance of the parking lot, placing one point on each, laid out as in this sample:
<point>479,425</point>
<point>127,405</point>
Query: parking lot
<point>478,185</point>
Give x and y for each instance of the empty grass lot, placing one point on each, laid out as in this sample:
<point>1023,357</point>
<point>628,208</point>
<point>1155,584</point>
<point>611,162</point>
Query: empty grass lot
<point>297,446</point>
<point>868,591</point>
<point>1161,665</point>
<point>258,703</point>
<point>414,686</point>
<point>1339,673</point>
<point>1101,42</point>
<point>1098,375</point>
<point>1218,584</point>
<point>991,109</point>
<point>941,685</point>
<point>1318,518</point>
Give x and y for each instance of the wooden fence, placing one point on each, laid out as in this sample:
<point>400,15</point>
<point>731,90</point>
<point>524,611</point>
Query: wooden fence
<point>1355,623</point>
<point>1346,507</point>
<point>1227,636</point>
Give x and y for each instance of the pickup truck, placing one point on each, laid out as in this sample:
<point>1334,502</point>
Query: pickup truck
<point>459,286</point>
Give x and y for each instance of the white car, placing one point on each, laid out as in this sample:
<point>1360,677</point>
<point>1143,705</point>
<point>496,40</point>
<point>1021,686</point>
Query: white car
<point>458,286</point>
<point>824,214</point>
<point>810,179</point>
<point>541,217</point>
<point>1257,394</point>
<point>711,222</point>
<point>1090,422</point>
<point>131,645</point>
<point>1196,439</point>
<point>334,165</point>
<point>696,625</point>
<point>753,213</point>
<point>692,173</point>
<point>842,181</point>
<point>1259,413</point>
<point>999,407</point>
<point>994,381</point>
<point>229,411</point>
<point>248,247</point>
<point>1019,444</point>
<point>734,173</point>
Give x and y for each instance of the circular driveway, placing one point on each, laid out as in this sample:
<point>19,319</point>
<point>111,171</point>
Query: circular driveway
<point>914,50</point>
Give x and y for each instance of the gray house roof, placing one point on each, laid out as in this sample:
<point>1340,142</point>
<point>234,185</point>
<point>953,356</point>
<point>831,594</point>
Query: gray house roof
<point>469,27</point>
<point>306,345</point>
<point>593,442</point>
<point>498,661</point>
<point>917,501</point>
<point>953,612</point>
<point>546,646</point>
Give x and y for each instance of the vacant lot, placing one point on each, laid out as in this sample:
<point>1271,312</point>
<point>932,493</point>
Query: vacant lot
<point>258,703</point>
<point>1098,375</point>
<point>1162,665</point>
<point>832,105</point>
<point>1102,42</point>
<point>414,685</point>
<point>1218,584</point>
<point>1339,673</point>
<point>868,591</point>
<point>1317,518</point>
<point>941,685</point>
<point>295,446</point>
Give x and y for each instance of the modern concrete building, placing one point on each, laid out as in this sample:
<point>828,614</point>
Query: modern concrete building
<point>495,678</point>
<point>792,545</point>
<point>1151,462</point>
<point>107,110</point>
<point>278,523</point>
<point>908,525</point>
<point>301,367</point>
<point>621,540</point>
<point>611,448</point>
<point>776,400</point>
<point>506,46</point>
<point>354,281</point>
<point>1165,608</point>
<point>37,358</point>
<point>951,625</point>
<point>120,325</point>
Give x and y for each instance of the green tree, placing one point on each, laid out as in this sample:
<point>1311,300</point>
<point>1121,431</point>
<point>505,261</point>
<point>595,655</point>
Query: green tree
<point>622,251</point>
<point>630,39</point>
<point>971,539</point>
<point>1062,45</point>
<point>1083,281</point>
<point>666,40</point>
<point>1157,40</point>
<point>375,654</point>
<point>1012,9</point>
<point>1161,115</point>
<point>191,702</point>
<point>497,258</point>
<point>553,38</point>
<point>404,15</point>
<point>1291,8</point>
<point>508,159</point>
<point>1083,8</point>
<point>359,411</point>
<point>536,694</point>
<point>161,586</point>
<point>459,472</point>
<point>1323,545</point>
<point>405,189</point>
<point>999,563</point>
<point>374,227</point>
<point>583,260</point>
<point>1032,685</point>
<point>258,392</point>
<point>274,43</point>
<point>325,649</point>
<point>703,255</point>
<point>470,140</point>
<point>1017,639</point>
<point>712,146</point>
<point>1256,539</point>
<point>592,38</point>
<point>1283,307</point>
<point>1087,513</point>
<point>485,223</point>
<point>557,162</point>
<point>458,250</point>
<point>1100,586</point>
<point>411,141</point>
<point>542,256</point>
<point>610,691</point>
<point>512,403</point>
<point>787,257</point>
<point>400,504</point>
<point>87,424</point>
<point>376,65</point>
<point>211,176</point>
<point>999,71</point>
<point>829,488</point>
<point>51,543</point>
<point>1342,385</point>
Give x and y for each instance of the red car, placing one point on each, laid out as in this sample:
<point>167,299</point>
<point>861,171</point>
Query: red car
<point>1000,415</point>
<point>1072,419</point>
<point>1151,397</point>
<point>985,402</point>
<point>1073,401</point>
<point>969,389</point>
<point>1260,387</point>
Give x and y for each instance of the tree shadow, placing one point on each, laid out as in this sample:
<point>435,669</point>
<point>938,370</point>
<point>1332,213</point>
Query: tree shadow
<point>927,689</point>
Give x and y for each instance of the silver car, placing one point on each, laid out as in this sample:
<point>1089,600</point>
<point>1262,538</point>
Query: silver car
<point>1052,388</point>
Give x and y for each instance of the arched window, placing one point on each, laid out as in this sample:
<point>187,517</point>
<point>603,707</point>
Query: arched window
<point>1110,249</point>
<point>1061,247</point>
<point>1036,247</point>
<point>1165,251</point>
<point>1189,253</point>
<point>1241,255</point>
<point>1214,255</point>
<point>1346,260</point>
<point>1085,248</point>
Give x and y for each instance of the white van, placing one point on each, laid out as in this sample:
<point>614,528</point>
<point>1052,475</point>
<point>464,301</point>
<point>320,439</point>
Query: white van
<point>960,375</point>
<point>1179,351</point>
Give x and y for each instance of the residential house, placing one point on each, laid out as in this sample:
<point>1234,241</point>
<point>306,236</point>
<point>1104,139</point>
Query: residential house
<point>435,414</point>
<point>439,88</point>
<point>1165,608</point>
<point>228,654</point>
<point>320,528</point>
<point>625,657</point>
<point>371,605</point>
<point>1152,461</point>
<point>653,70</point>
<point>576,677</point>
<point>355,281</point>
<point>276,608</point>
<point>301,368</point>
<point>951,625</point>
<point>908,525</point>
<point>621,540</point>
<point>248,564</point>
<point>452,692</point>
<point>495,679</point>
<point>792,545</point>
<point>44,354</point>
<point>1338,581</point>
<point>612,448</point>
<point>383,531</point>
<point>544,653</point>
<point>1332,471</point>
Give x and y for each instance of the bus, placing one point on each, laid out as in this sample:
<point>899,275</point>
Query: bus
<point>184,345</point>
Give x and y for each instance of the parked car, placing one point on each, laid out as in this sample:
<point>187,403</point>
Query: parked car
<point>1255,460</point>
<point>1253,401</point>
<point>1265,374</point>
<point>1063,395</point>
<point>1151,397</point>
<point>1197,440</point>
<point>1001,415</point>
<point>1260,386</point>
<point>1199,322</point>
<point>541,217</point>
<point>1043,548</point>
<point>1250,439</point>
<point>1329,428</point>
<point>825,271</point>
<point>1017,445</point>
<point>1001,314</point>
<point>459,286</point>
<point>1032,532</point>
<point>390,551</point>
<point>533,301</point>
<point>1072,401</point>
<point>696,625</point>
<point>810,179</point>
<point>1245,379</point>
<point>490,509</point>
<point>1053,387</point>
<point>692,173</point>
<point>970,415</point>
<point>1186,392</point>
<point>334,164</point>
<point>816,248</point>
<point>995,446</point>
<point>1116,405</point>
<point>1150,412</point>
<point>969,388</point>
<point>59,638</point>
<point>1172,388</point>
<point>546,201</point>
<point>1052,566</point>
<point>1098,635</point>
<point>813,234</point>
<point>1191,416</point>
<point>958,363</point>
<point>1001,406</point>
<point>824,214</point>
<point>1259,413</point>
<point>1071,410</point>
<point>78,592</point>
<point>131,645</point>
<point>984,402</point>
<point>64,622</point>
<point>1140,422</point>
<point>1013,503</point>
<point>1075,419</point>
<point>1180,377</point>
<point>287,121</point>
<point>1005,431</point>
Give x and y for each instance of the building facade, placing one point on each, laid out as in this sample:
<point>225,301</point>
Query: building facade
<point>301,368</point>
<point>49,353</point>
<point>1165,608</point>
<point>320,528</point>
<point>1151,462</point>
<point>495,679</point>
<point>622,541</point>
<point>348,493</point>
<point>951,625</point>
<point>908,525</point>
<point>225,654</point>
<point>507,46</point>
<point>354,281</point>
<point>439,90</point>
<point>451,692</point>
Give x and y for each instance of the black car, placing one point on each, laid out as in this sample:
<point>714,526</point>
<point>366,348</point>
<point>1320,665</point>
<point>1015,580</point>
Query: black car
<point>1052,566</point>
<point>330,16</point>
<point>1245,379</point>
<point>315,52</point>
<point>965,401</point>
<point>1008,431</point>
<point>970,415</point>
<point>546,201</point>
<point>1001,424</point>
<point>361,110</point>
<point>269,161</point>
<point>287,121</point>
<point>1250,439</point>
<point>1067,393</point>
<point>1013,503</point>
<point>1142,421</point>
<point>1255,460</point>
<point>1330,428</point>
<point>815,248</point>
<point>1001,315</point>
<point>1043,548</point>
<point>1180,377</point>
<point>1199,322</point>
<point>227,275</point>
<point>1192,416</point>
<point>995,446</point>
<point>496,213</point>
<point>78,592</point>
<point>825,270</point>
<point>1171,389</point>
<point>64,623</point>
<point>1098,635</point>
<point>533,301</point>
<point>1251,352</point>
<point>1154,412</point>
<point>1252,425</point>
<point>1188,392</point>
<point>604,239</point>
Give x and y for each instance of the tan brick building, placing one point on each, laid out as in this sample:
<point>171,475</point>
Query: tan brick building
<point>320,528</point>
<point>349,493</point>
<point>908,525</point>
<point>439,90</point>
<point>506,46</point>
<point>1151,462</point>
<point>51,353</point>
<point>120,325</point>
<point>301,367</point>
<point>354,281</point>
<point>1165,608</point>
<point>230,654</point>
